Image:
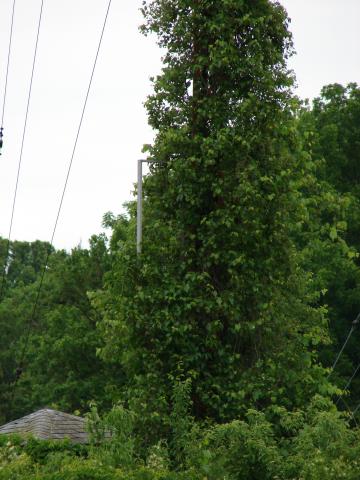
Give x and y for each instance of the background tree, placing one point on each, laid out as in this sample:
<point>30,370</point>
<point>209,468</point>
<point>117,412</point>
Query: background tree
<point>60,366</point>
<point>331,239</point>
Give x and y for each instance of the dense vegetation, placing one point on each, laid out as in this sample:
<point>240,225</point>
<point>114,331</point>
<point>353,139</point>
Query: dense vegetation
<point>209,355</point>
<point>48,354</point>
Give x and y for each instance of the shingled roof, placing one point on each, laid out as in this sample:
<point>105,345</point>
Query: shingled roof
<point>47,424</point>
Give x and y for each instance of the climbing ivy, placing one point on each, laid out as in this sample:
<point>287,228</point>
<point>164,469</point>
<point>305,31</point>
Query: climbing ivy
<point>218,295</point>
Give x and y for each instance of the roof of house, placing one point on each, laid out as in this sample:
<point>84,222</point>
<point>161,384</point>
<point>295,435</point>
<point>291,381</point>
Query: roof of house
<point>47,424</point>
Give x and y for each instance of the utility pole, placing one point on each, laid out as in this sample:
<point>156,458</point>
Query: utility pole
<point>140,204</point>
<point>139,208</point>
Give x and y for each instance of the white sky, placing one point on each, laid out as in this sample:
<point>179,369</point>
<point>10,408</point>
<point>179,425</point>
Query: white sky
<point>326,35</point>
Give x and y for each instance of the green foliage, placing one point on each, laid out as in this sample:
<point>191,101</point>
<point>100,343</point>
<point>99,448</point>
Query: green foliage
<point>218,295</point>
<point>112,436</point>
<point>330,239</point>
<point>24,263</point>
<point>207,345</point>
<point>180,422</point>
<point>324,448</point>
<point>60,367</point>
<point>241,450</point>
<point>40,450</point>
<point>32,459</point>
<point>313,444</point>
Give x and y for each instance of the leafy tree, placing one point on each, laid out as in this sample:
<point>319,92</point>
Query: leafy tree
<point>55,345</point>
<point>218,295</point>
<point>331,128</point>
<point>23,262</point>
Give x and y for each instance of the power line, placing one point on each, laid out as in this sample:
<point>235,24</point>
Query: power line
<point>340,397</point>
<point>32,317</point>
<point>2,125</point>
<point>7,65</point>
<point>349,382</point>
<point>352,414</point>
<point>21,150</point>
<point>356,409</point>
<point>353,326</point>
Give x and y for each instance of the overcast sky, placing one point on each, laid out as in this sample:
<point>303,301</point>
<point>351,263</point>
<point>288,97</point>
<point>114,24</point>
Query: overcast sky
<point>326,36</point>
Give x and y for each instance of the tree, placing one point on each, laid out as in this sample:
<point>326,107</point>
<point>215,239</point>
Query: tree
<point>55,345</point>
<point>217,295</point>
<point>332,129</point>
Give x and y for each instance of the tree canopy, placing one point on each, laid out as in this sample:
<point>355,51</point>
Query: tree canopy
<point>218,295</point>
<point>209,354</point>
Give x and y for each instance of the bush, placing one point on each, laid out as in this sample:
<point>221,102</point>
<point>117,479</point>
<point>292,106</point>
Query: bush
<point>314,444</point>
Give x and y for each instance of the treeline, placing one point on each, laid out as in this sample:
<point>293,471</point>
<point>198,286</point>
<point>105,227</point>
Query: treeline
<point>77,347</point>
<point>216,343</point>
<point>49,340</point>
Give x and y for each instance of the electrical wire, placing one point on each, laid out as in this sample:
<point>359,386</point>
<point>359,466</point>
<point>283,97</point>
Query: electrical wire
<point>8,65</point>
<point>21,151</point>
<point>352,414</point>
<point>349,382</point>
<point>340,397</point>
<point>356,409</point>
<point>353,326</point>
<point>32,317</point>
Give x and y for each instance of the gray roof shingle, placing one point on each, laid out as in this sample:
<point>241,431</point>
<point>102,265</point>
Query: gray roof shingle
<point>47,424</point>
